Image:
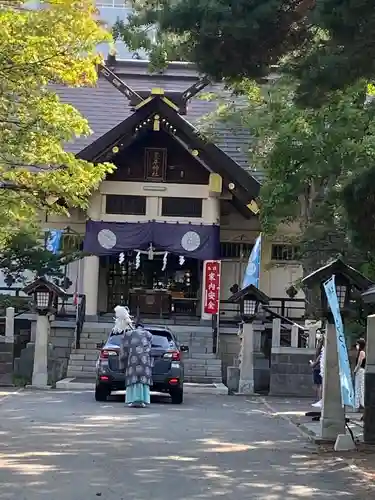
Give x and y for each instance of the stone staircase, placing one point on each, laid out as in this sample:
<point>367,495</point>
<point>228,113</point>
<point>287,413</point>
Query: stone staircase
<point>201,365</point>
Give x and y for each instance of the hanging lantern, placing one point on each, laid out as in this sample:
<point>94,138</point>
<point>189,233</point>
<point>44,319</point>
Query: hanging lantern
<point>181,260</point>
<point>121,258</point>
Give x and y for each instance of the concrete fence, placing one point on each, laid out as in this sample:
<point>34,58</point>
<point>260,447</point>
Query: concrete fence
<point>291,373</point>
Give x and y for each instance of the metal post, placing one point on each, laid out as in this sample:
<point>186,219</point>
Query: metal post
<point>214,333</point>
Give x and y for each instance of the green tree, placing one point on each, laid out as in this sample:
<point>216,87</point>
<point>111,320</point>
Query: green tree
<point>226,39</point>
<point>308,156</point>
<point>55,44</point>
<point>26,251</point>
<point>331,42</point>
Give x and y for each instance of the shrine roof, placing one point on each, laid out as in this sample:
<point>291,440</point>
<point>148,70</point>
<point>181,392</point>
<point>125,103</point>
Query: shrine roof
<point>105,107</point>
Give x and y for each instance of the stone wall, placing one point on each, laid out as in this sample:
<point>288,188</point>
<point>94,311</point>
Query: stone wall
<point>61,339</point>
<point>6,362</point>
<point>291,373</point>
<point>229,349</point>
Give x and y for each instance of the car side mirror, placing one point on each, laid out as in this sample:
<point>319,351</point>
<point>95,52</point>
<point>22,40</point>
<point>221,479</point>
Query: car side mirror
<point>184,348</point>
<point>99,345</point>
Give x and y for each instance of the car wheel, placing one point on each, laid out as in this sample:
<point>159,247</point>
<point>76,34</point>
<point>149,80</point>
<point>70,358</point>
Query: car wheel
<point>101,393</point>
<point>177,396</point>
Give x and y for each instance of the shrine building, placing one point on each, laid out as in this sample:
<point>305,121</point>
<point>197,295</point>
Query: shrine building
<point>177,198</point>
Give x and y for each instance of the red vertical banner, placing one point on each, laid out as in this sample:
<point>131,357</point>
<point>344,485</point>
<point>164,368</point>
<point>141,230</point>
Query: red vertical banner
<point>212,286</point>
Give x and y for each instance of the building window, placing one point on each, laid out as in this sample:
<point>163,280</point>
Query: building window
<point>181,207</point>
<point>125,205</point>
<point>235,250</point>
<point>284,252</point>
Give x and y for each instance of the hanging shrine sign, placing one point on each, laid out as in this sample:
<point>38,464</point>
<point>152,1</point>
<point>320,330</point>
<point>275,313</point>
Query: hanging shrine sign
<point>212,286</point>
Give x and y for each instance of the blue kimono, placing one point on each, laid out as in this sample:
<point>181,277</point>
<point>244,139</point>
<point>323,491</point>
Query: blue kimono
<point>136,350</point>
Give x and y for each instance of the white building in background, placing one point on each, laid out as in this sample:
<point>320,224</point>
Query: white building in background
<point>110,11</point>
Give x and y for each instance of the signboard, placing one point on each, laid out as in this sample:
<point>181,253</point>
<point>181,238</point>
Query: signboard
<point>212,286</point>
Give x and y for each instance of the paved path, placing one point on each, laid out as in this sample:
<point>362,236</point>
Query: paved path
<point>64,446</point>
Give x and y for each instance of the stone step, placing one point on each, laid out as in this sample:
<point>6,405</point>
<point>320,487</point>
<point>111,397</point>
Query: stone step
<point>85,351</point>
<point>199,348</point>
<point>107,326</point>
<point>80,374</point>
<point>192,337</point>
<point>180,331</point>
<point>203,380</point>
<point>82,362</point>
<point>195,365</point>
<point>84,355</point>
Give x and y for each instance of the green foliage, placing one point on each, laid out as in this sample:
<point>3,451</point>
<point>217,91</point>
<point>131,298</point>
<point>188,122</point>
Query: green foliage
<point>19,303</point>
<point>20,381</point>
<point>345,55</point>
<point>37,47</point>
<point>307,156</point>
<point>26,252</point>
<point>359,201</point>
<point>226,39</point>
<point>328,44</point>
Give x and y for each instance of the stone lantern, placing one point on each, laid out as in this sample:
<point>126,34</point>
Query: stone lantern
<point>44,294</point>
<point>348,282</point>
<point>249,299</point>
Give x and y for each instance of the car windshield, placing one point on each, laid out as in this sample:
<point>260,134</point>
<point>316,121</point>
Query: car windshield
<point>160,339</point>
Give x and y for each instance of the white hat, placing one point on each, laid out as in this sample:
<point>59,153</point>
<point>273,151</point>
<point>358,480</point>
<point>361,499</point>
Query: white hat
<point>123,320</point>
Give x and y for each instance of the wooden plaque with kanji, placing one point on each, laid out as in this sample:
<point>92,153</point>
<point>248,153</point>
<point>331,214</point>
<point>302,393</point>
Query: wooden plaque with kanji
<point>155,164</point>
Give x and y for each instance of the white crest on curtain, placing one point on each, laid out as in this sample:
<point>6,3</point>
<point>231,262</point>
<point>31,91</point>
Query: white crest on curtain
<point>123,320</point>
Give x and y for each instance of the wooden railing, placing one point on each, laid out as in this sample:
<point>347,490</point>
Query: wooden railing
<point>289,308</point>
<point>293,309</point>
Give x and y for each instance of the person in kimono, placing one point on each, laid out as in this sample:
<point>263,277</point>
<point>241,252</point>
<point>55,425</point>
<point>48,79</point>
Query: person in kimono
<point>135,357</point>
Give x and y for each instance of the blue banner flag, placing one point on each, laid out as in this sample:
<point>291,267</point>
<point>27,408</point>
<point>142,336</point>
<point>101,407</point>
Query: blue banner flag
<point>54,240</point>
<point>346,382</point>
<point>252,272</point>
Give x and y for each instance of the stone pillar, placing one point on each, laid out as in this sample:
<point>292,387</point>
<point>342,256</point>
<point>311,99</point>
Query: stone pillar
<point>369,415</point>
<point>91,284</point>
<point>246,385</point>
<point>333,412</point>
<point>7,350</point>
<point>9,325</point>
<point>40,369</point>
<point>261,363</point>
<point>312,336</point>
<point>276,332</point>
<point>294,336</point>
